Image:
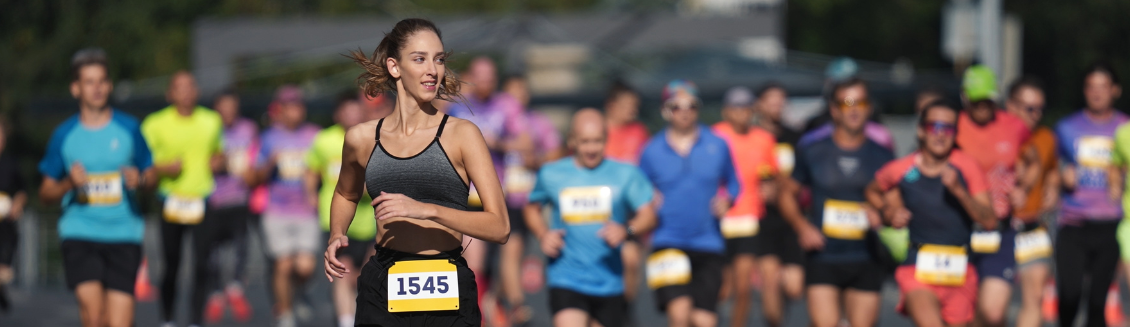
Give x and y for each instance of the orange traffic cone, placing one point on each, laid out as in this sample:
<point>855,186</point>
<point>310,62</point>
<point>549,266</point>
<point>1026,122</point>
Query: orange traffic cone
<point>1114,315</point>
<point>143,289</point>
<point>1050,306</point>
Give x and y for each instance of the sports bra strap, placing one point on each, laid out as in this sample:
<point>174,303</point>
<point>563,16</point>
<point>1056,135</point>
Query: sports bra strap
<point>441,124</point>
<point>379,123</point>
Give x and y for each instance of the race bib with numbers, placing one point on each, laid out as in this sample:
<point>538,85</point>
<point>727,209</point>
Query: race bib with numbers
<point>1033,245</point>
<point>104,189</point>
<point>739,226</point>
<point>239,161</point>
<point>845,220</point>
<point>786,157</point>
<point>184,210</point>
<point>985,241</point>
<point>292,165</point>
<point>423,285</point>
<point>668,267</point>
<point>585,205</point>
<point>519,180</point>
<point>941,265</point>
<point>1093,151</point>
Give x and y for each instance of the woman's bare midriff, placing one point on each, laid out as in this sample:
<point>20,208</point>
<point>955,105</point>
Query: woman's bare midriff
<point>417,236</point>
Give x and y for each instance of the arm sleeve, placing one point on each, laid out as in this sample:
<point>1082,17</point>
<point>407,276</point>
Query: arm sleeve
<point>800,166</point>
<point>264,154</point>
<point>975,178</point>
<point>888,177</point>
<point>639,191</point>
<point>1063,144</point>
<point>539,194</point>
<point>52,164</point>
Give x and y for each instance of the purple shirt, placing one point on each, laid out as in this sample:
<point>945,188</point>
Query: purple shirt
<point>1086,145</point>
<point>519,181</point>
<point>287,195</point>
<point>241,142</point>
<point>498,117</point>
<point>875,132</point>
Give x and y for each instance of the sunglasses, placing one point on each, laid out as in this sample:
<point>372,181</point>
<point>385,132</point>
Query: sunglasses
<point>940,128</point>
<point>853,103</point>
<point>676,108</point>
<point>1034,109</point>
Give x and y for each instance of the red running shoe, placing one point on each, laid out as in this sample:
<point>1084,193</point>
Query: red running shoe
<point>240,308</point>
<point>214,309</point>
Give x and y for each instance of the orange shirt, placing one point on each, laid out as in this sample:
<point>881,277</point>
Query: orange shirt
<point>626,142</point>
<point>1043,140</point>
<point>996,148</point>
<point>755,158</point>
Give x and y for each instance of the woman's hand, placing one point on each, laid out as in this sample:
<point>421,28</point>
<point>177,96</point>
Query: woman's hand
<point>335,268</point>
<point>390,205</point>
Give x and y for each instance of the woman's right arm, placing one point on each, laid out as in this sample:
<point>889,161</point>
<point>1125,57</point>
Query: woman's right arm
<point>350,187</point>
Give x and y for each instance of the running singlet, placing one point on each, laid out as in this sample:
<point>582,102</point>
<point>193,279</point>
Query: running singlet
<point>754,159</point>
<point>688,184</point>
<point>996,147</point>
<point>1087,145</point>
<point>110,212</point>
<point>325,158</point>
<point>192,140</point>
<point>240,142</point>
<point>519,179</point>
<point>1043,140</point>
<point>876,132</point>
<point>936,217</point>
<point>286,193</point>
<point>583,200</point>
<point>838,179</point>
<point>626,142</point>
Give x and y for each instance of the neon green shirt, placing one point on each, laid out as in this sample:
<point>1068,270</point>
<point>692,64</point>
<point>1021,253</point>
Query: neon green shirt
<point>1121,158</point>
<point>325,156</point>
<point>193,140</point>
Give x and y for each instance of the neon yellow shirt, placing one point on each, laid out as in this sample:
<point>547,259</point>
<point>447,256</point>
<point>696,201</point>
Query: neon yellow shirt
<point>193,140</point>
<point>1121,158</point>
<point>325,157</point>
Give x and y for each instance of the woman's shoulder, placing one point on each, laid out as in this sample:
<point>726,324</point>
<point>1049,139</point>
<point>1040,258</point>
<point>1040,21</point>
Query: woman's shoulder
<point>461,128</point>
<point>362,133</point>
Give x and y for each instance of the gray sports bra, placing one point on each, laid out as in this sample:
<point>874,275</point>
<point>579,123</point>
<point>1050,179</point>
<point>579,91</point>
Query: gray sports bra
<point>428,176</point>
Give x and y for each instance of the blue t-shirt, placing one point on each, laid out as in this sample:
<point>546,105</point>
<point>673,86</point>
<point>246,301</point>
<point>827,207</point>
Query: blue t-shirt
<point>111,215</point>
<point>582,200</point>
<point>834,174</point>
<point>688,184</point>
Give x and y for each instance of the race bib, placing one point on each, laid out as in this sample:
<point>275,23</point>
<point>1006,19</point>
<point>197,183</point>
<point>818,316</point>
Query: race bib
<point>519,180</point>
<point>1093,151</point>
<point>845,220</point>
<point>941,265</point>
<point>985,241</point>
<point>239,161</point>
<point>333,170</point>
<point>292,164</point>
<point>184,210</point>
<point>1033,245</point>
<point>786,157</point>
<point>104,189</point>
<point>668,267</point>
<point>5,205</point>
<point>739,226</point>
<point>423,285</point>
<point>585,205</point>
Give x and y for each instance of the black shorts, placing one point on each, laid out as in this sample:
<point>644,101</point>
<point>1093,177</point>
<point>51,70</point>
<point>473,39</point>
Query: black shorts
<point>609,311</point>
<point>9,239</point>
<point>740,245</point>
<point>777,238</point>
<point>226,223</point>
<point>113,264</point>
<point>864,276</point>
<point>372,293</point>
<point>706,282</point>
<point>358,250</point>
<point>517,222</point>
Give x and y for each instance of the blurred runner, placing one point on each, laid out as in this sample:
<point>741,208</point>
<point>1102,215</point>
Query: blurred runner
<point>13,200</point>
<point>537,143</point>
<point>687,163</point>
<point>185,166</point>
<point>777,250</point>
<point>592,202</point>
<point>323,164</point>
<point>1086,244</point>
<point>290,220</point>
<point>418,163</point>
<point>1034,197</point>
<point>626,134</point>
<point>994,137</point>
<point>753,152</point>
<point>938,193</point>
<point>95,163</point>
<point>842,269</point>
<point>839,70</point>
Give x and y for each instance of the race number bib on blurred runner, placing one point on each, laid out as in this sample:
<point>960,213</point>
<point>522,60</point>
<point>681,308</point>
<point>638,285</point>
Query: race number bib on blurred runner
<point>292,165</point>
<point>845,220</point>
<point>786,157</point>
<point>1093,155</point>
<point>104,189</point>
<point>739,226</point>
<point>1033,245</point>
<point>985,241</point>
<point>668,267</point>
<point>239,161</point>
<point>423,285</point>
<point>519,180</point>
<point>586,205</point>
<point>941,265</point>
<point>184,210</point>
